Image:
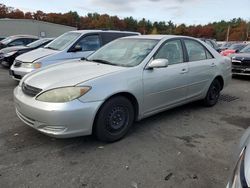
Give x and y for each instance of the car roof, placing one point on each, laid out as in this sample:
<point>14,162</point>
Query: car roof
<point>159,37</point>
<point>22,36</point>
<point>102,31</point>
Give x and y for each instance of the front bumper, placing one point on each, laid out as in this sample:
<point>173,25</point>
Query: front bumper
<point>241,71</point>
<point>17,73</point>
<point>61,120</point>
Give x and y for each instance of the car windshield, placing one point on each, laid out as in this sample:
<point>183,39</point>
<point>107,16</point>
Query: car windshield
<point>126,52</point>
<point>7,40</point>
<point>38,43</point>
<point>237,46</point>
<point>63,41</point>
<point>246,49</point>
<point>226,45</point>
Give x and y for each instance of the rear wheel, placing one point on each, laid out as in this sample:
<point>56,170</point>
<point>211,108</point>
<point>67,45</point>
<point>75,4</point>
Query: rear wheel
<point>114,119</point>
<point>213,93</point>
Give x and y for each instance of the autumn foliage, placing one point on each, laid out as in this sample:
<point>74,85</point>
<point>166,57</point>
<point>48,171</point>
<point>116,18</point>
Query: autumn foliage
<point>238,28</point>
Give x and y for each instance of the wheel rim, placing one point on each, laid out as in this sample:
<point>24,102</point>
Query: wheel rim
<point>117,119</point>
<point>214,93</point>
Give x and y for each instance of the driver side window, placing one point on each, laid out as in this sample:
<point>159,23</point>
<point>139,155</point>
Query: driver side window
<point>172,51</point>
<point>17,42</point>
<point>89,43</point>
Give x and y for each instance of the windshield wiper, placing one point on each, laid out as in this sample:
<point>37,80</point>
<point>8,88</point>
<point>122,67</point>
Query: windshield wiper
<point>102,61</point>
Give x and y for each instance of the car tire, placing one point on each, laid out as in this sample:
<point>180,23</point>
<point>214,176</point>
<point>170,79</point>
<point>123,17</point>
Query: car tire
<point>114,119</point>
<point>213,94</point>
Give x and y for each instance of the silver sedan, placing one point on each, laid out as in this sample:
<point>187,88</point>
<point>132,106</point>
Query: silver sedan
<point>125,81</point>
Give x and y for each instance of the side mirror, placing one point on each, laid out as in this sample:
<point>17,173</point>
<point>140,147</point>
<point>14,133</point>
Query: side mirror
<point>237,51</point>
<point>77,48</point>
<point>158,63</point>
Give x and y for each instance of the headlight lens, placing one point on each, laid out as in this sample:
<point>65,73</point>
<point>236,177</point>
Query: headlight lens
<point>61,95</point>
<point>27,65</point>
<point>31,65</point>
<point>10,53</point>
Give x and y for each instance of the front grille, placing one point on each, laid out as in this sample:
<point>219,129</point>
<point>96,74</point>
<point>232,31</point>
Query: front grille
<point>17,63</point>
<point>19,77</point>
<point>29,90</point>
<point>241,62</point>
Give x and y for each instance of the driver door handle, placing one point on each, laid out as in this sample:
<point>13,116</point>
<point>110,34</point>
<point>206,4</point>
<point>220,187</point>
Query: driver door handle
<point>184,70</point>
<point>212,65</point>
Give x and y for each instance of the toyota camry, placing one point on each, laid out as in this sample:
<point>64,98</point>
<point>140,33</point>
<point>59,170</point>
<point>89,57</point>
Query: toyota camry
<point>125,81</point>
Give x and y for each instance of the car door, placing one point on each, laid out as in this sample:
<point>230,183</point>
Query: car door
<point>201,65</point>
<point>166,86</point>
<point>88,44</point>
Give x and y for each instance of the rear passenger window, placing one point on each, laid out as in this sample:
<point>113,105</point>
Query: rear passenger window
<point>172,51</point>
<point>196,51</point>
<point>90,43</point>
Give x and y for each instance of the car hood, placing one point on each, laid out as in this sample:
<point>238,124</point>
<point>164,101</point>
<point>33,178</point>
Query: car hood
<point>36,54</point>
<point>12,49</point>
<point>241,55</point>
<point>68,74</point>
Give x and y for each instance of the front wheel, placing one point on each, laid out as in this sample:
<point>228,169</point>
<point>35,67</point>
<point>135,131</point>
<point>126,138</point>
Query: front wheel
<point>114,119</point>
<point>213,93</point>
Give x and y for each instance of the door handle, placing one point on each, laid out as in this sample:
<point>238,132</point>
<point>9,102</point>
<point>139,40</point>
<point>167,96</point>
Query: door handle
<point>184,70</point>
<point>212,65</point>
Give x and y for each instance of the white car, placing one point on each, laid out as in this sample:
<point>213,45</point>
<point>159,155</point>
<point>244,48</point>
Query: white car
<point>70,45</point>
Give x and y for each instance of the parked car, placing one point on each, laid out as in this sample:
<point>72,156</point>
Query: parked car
<point>226,45</point>
<point>10,53</point>
<point>234,48</point>
<point>126,80</point>
<point>241,174</point>
<point>211,43</point>
<point>71,45</point>
<point>1,38</point>
<point>17,40</point>
<point>241,62</point>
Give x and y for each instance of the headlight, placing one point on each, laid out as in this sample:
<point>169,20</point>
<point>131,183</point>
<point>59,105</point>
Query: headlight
<point>9,54</point>
<point>31,65</point>
<point>60,95</point>
<point>27,65</point>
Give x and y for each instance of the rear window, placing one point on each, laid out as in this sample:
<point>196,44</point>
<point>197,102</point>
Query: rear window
<point>108,37</point>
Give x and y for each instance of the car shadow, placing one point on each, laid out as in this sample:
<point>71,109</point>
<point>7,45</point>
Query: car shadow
<point>22,137</point>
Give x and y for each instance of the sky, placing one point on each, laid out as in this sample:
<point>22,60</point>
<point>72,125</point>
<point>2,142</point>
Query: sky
<point>178,11</point>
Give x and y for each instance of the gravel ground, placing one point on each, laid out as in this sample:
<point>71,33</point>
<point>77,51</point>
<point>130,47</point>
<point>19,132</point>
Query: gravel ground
<point>190,146</point>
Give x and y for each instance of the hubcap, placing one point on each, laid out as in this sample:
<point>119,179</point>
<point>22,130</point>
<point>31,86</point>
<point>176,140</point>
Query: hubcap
<point>117,119</point>
<point>214,94</point>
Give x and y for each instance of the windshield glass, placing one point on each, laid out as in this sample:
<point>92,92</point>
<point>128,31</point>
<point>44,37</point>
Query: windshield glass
<point>7,40</point>
<point>63,41</point>
<point>237,46</point>
<point>124,52</point>
<point>246,49</point>
<point>37,43</point>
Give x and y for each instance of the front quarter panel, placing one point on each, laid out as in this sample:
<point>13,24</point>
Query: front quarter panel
<point>102,88</point>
